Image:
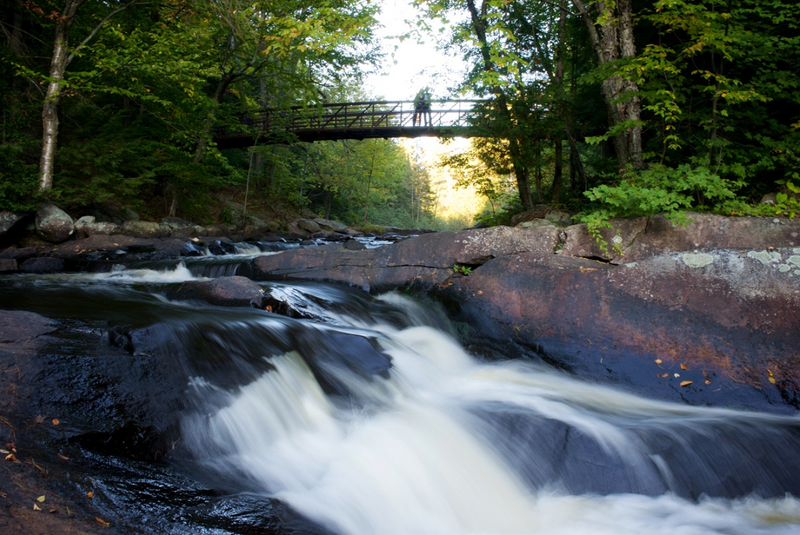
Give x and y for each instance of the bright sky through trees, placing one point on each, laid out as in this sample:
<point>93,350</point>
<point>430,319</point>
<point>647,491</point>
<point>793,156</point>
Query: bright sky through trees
<point>410,64</point>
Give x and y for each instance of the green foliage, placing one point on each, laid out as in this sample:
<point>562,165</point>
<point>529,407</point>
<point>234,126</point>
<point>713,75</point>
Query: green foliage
<point>462,270</point>
<point>18,180</point>
<point>658,189</point>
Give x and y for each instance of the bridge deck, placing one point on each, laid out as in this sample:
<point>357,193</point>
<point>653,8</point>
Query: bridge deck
<point>351,120</point>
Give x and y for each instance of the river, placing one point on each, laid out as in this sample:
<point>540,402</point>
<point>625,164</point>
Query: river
<point>364,415</point>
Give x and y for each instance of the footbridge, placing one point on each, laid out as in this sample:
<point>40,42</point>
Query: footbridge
<point>349,120</point>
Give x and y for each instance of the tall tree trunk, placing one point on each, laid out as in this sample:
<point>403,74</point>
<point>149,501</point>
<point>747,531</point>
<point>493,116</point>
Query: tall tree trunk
<point>614,41</point>
<point>58,64</point>
<point>515,150</point>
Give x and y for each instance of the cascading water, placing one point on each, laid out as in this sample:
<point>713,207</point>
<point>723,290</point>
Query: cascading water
<point>369,418</point>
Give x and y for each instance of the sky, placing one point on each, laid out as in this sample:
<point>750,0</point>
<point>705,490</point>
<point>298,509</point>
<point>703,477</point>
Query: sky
<point>411,65</point>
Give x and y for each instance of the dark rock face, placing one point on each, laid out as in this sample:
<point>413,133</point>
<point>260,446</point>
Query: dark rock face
<point>53,224</point>
<point>42,265</point>
<point>426,260</point>
<point>633,239</point>
<point>224,291</point>
<point>721,320</point>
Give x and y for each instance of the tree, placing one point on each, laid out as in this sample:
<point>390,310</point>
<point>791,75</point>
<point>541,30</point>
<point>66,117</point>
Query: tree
<point>611,35</point>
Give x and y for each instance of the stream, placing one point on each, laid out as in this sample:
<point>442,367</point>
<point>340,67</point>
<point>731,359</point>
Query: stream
<point>364,415</point>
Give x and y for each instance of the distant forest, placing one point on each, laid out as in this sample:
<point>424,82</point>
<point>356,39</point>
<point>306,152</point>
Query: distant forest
<point>604,109</point>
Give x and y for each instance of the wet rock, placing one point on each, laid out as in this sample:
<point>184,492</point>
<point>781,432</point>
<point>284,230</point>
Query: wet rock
<point>42,264</point>
<point>719,318</point>
<point>224,291</point>
<point>53,224</point>
<point>331,263</point>
<point>8,265</point>
<point>426,260</point>
<point>354,245</point>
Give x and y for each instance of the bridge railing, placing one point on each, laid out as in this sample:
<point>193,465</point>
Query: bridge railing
<point>341,120</point>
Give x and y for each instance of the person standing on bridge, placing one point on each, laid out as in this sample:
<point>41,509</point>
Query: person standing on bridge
<point>422,108</point>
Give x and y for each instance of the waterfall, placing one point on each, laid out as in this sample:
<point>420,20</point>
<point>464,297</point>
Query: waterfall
<point>446,444</point>
<point>366,416</point>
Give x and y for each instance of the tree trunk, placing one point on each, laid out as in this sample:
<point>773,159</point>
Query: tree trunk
<point>58,64</point>
<point>615,41</point>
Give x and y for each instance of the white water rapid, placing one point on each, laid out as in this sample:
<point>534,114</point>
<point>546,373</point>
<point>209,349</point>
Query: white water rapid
<point>445,444</point>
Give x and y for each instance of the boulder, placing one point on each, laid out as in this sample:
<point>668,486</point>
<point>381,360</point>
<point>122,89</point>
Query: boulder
<point>308,225</point>
<point>255,227</point>
<point>557,217</point>
<point>538,211</point>
<point>535,223</point>
<point>145,229</point>
<point>224,291</point>
<point>329,225</point>
<point>53,224</point>
<point>8,220</point>
<point>88,226</point>
<point>637,238</point>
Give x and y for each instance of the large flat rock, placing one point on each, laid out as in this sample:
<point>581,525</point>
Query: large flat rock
<point>726,320</point>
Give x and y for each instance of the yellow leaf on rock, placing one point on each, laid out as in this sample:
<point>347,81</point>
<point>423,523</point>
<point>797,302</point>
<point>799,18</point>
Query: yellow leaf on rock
<point>89,494</point>
<point>55,421</point>
<point>659,361</point>
<point>683,365</point>
<point>101,521</point>
<point>772,380</point>
<point>36,507</point>
<point>40,499</point>
<point>686,383</point>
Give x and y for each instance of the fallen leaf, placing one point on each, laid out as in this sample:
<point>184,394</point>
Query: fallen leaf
<point>55,421</point>
<point>677,375</point>
<point>771,380</point>
<point>4,452</point>
<point>683,365</point>
<point>101,521</point>
<point>11,458</point>
<point>40,499</point>
<point>769,372</point>
<point>39,419</point>
<point>36,507</point>
<point>708,382</point>
<point>686,383</point>
<point>54,511</point>
<point>89,494</point>
<point>663,376</point>
<point>658,361</point>
<point>64,457</point>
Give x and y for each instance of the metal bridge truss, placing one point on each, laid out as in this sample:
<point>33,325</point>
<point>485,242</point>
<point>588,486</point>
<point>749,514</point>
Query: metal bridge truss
<point>349,120</point>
